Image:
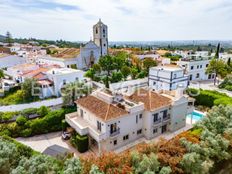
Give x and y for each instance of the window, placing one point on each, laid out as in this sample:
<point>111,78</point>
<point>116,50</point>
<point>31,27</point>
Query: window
<point>207,65</point>
<point>115,142</point>
<point>198,75</point>
<point>190,77</point>
<point>64,82</point>
<point>96,31</point>
<point>104,31</point>
<point>126,137</point>
<point>210,76</point>
<point>197,66</point>
<point>154,83</point>
<point>77,79</point>
<point>140,116</point>
<point>155,117</point>
<point>99,125</point>
<point>174,76</point>
<point>165,113</point>
<point>155,131</point>
<point>113,128</point>
<point>139,131</point>
<point>104,45</point>
<point>192,67</point>
<point>136,118</point>
<point>200,66</point>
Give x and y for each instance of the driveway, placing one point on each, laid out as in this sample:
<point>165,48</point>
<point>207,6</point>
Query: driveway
<point>41,142</point>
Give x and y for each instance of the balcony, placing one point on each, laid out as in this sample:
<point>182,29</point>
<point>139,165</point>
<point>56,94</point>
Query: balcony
<point>168,117</point>
<point>115,133</point>
<point>157,121</point>
<point>83,127</point>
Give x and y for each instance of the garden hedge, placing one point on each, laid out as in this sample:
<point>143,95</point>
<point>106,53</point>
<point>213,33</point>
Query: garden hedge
<point>209,98</point>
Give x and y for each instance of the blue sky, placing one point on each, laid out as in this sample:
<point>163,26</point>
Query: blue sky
<point>128,20</point>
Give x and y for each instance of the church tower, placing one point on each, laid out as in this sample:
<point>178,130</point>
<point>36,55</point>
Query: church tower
<point>100,36</point>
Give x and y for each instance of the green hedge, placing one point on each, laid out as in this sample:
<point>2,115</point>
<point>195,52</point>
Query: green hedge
<point>51,122</point>
<point>209,98</point>
<point>80,142</point>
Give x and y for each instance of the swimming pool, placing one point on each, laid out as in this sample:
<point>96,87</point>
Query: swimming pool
<point>196,116</point>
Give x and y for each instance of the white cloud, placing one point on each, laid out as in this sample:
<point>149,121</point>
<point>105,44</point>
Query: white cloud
<point>126,19</point>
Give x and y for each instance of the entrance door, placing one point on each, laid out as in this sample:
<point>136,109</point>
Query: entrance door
<point>164,128</point>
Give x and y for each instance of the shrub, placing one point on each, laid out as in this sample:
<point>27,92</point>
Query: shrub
<point>8,115</point>
<point>26,132</point>
<point>80,142</point>
<point>29,111</point>
<point>21,120</point>
<point>42,111</point>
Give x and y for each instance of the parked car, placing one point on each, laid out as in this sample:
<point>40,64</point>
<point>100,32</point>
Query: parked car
<point>66,135</point>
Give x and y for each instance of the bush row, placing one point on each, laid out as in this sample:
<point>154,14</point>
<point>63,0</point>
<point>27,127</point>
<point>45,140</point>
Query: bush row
<point>6,116</point>
<point>50,122</point>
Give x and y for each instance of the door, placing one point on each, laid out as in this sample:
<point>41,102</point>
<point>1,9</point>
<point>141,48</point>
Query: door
<point>164,128</point>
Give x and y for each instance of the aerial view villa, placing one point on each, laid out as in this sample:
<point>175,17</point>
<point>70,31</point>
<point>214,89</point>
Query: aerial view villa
<point>115,87</point>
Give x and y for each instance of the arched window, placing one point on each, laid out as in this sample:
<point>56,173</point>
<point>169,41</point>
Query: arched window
<point>96,30</point>
<point>104,31</point>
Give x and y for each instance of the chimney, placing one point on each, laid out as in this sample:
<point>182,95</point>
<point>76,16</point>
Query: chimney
<point>179,92</point>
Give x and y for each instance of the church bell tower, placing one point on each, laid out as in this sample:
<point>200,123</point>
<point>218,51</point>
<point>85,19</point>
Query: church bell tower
<point>100,36</point>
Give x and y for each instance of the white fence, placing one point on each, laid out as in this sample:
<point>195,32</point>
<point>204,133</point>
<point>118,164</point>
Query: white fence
<point>49,102</point>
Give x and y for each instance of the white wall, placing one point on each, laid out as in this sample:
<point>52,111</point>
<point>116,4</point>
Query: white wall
<point>199,67</point>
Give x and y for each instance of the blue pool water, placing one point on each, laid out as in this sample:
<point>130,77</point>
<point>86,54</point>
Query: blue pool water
<point>196,116</point>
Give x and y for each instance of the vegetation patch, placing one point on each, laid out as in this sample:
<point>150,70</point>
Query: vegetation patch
<point>209,98</point>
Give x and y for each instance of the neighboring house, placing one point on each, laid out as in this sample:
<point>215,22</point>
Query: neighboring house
<point>168,77</point>
<point>51,78</point>
<point>17,71</point>
<point>143,56</point>
<point>62,76</point>
<point>7,60</point>
<point>62,62</point>
<point>7,84</point>
<point>112,120</point>
<point>195,68</point>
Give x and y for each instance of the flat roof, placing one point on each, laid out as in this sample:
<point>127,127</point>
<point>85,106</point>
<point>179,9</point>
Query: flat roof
<point>169,67</point>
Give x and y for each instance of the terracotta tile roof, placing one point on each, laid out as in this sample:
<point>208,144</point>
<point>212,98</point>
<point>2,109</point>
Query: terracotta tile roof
<point>44,82</point>
<point>33,73</point>
<point>150,99</point>
<point>100,108</point>
<point>39,76</point>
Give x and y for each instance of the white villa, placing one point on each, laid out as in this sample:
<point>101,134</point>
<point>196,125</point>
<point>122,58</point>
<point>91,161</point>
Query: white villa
<point>50,78</point>
<point>113,120</point>
<point>168,77</point>
<point>195,68</point>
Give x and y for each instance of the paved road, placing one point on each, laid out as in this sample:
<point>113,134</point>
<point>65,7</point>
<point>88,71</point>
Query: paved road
<point>19,107</point>
<point>208,85</point>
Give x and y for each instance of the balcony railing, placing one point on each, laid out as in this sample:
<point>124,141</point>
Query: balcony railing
<point>166,118</point>
<point>157,121</point>
<point>114,133</point>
